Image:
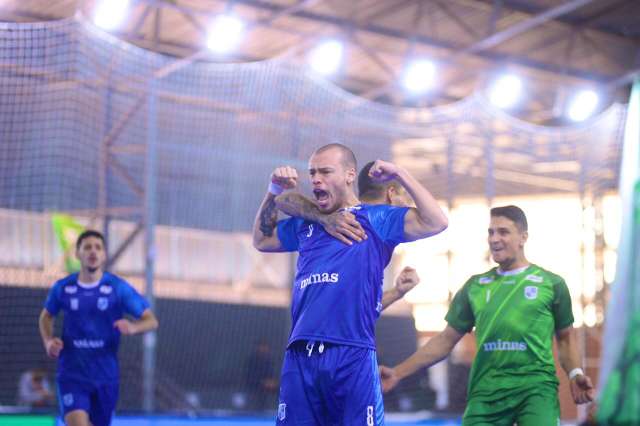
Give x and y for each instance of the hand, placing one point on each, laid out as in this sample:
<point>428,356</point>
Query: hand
<point>53,347</point>
<point>383,171</point>
<point>406,281</point>
<point>343,226</point>
<point>285,176</point>
<point>582,389</point>
<point>125,326</point>
<point>388,378</point>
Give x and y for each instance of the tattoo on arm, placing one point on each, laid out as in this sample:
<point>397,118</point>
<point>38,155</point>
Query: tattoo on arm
<point>268,218</point>
<point>297,205</point>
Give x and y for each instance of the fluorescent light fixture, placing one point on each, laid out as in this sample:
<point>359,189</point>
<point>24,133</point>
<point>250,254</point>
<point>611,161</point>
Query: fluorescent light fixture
<point>583,105</point>
<point>225,34</point>
<point>110,14</point>
<point>327,57</point>
<point>419,76</point>
<point>506,91</point>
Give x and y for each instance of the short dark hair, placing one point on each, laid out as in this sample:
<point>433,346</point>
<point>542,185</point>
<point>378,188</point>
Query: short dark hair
<point>348,157</point>
<point>89,233</point>
<point>513,213</point>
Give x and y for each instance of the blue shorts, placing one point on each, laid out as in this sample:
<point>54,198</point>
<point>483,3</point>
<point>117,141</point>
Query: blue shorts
<point>98,400</point>
<point>329,384</point>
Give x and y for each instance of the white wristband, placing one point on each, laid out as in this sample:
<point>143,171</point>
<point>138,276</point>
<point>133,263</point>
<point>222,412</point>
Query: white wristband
<point>275,189</point>
<point>575,372</point>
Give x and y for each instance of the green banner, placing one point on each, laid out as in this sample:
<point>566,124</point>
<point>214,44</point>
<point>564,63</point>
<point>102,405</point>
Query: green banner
<point>67,231</point>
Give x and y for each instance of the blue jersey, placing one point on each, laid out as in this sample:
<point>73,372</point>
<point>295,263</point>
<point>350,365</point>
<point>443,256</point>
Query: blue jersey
<point>337,292</point>
<point>90,339</point>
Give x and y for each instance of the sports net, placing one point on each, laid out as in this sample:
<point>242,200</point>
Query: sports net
<point>87,131</point>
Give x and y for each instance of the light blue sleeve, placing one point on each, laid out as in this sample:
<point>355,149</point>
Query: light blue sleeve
<point>288,233</point>
<point>388,222</point>
<point>53,304</point>
<point>132,302</point>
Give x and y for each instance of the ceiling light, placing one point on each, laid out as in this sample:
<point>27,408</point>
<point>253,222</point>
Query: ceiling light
<point>225,34</point>
<point>326,57</point>
<point>506,91</point>
<point>419,76</point>
<point>110,14</point>
<point>583,105</point>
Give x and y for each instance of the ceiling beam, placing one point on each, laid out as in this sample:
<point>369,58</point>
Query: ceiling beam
<point>531,8</point>
<point>429,41</point>
<point>524,26</point>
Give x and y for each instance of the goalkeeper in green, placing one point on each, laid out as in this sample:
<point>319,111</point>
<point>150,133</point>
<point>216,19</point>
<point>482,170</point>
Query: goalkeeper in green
<point>516,308</point>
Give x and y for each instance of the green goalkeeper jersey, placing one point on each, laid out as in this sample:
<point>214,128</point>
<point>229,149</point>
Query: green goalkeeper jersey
<point>515,316</point>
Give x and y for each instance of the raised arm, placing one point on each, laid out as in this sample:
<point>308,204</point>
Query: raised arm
<point>265,237</point>
<point>427,218</point>
<point>581,387</point>
<point>432,352</point>
<point>406,281</point>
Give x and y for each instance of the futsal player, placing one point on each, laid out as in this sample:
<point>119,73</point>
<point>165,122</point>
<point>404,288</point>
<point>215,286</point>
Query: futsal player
<point>94,303</point>
<point>516,309</point>
<point>329,375</point>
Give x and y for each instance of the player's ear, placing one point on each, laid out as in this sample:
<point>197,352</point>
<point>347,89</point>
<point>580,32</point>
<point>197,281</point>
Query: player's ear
<point>524,237</point>
<point>351,176</point>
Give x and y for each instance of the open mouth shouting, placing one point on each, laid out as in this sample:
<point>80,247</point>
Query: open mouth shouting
<point>322,198</point>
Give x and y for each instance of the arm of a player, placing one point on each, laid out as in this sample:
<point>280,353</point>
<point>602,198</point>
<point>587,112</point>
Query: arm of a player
<point>52,345</point>
<point>340,224</point>
<point>427,218</point>
<point>581,387</point>
<point>432,352</point>
<point>406,281</point>
<point>146,322</point>
<point>265,236</point>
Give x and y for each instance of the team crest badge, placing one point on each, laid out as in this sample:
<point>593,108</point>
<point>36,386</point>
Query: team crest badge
<point>105,289</point>
<point>282,411</point>
<point>531,292</point>
<point>67,399</point>
<point>74,303</point>
<point>103,303</point>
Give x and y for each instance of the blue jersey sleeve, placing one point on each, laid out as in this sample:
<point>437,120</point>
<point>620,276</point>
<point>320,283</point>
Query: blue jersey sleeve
<point>288,233</point>
<point>132,302</point>
<point>388,221</point>
<point>53,303</point>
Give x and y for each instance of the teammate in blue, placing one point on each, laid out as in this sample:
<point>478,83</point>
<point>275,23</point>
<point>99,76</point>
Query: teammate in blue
<point>330,372</point>
<point>94,303</point>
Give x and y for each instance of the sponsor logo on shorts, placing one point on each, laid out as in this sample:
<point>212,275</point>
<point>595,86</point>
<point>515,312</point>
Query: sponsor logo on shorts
<point>103,303</point>
<point>485,280</point>
<point>282,411</point>
<point>106,289</point>
<point>74,303</point>
<point>67,399</point>
<point>533,278</point>
<point>320,278</point>
<point>72,289</point>
<point>501,345</point>
<point>531,292</point>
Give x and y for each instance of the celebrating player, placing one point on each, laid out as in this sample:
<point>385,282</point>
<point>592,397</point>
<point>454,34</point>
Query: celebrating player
<point>516,308</point>
<point>329,375</point>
